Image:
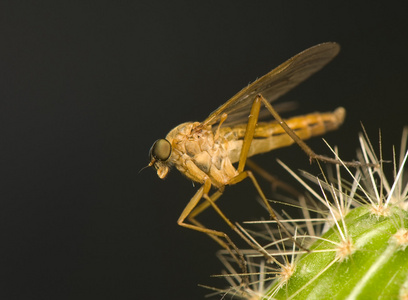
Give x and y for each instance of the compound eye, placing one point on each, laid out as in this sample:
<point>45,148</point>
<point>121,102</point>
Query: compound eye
<point>160,150</point>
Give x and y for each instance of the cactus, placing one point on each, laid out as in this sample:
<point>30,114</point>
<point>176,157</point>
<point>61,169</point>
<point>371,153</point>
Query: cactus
<point>355,238</point>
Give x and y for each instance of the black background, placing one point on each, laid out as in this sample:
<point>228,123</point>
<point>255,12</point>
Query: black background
<point>85,89</point>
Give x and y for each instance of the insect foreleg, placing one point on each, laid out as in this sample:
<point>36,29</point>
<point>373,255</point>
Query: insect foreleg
<point>190,207</point>
<point>214,234</point>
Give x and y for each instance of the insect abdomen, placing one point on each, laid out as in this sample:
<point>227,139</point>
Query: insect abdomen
<point>270,135</point>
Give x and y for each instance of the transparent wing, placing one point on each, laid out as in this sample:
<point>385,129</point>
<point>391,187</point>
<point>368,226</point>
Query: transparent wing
<point>276,83</point>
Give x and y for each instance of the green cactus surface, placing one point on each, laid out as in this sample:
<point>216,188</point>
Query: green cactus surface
<point>375,267</point>
<point>354,236</point>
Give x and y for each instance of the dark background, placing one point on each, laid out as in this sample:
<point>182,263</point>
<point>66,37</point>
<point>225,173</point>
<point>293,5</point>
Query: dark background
<point>86,88</point>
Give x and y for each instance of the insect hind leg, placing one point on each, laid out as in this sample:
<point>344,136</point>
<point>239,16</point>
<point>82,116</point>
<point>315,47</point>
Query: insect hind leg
<point>275,182</point>
<point>249,135</point>
<point>312,155</point>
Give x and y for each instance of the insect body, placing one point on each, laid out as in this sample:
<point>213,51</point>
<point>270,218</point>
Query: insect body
<point>200,152</point>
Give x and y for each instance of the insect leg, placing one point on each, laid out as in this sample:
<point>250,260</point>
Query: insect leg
<point>214,234</point>
<point>274,181</point>
<point>312,155</point>
<point>272,214</point>
<point>249,134</point>
<point>211,202</point>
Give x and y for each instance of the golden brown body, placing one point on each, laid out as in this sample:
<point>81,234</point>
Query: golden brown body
<point>200,152</point>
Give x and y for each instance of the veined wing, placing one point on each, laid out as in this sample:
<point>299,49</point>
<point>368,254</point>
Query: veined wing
<point>276,83</point>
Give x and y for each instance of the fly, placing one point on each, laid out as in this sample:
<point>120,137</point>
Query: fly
<point>205,152</point>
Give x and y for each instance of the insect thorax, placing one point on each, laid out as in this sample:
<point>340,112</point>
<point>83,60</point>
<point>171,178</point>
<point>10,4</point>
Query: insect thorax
<point>199,153</point>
